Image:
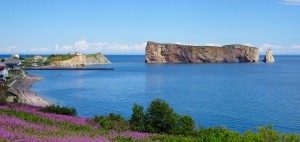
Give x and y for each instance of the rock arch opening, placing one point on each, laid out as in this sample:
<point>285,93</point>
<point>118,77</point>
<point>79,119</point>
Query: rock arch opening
<point>237,60</point>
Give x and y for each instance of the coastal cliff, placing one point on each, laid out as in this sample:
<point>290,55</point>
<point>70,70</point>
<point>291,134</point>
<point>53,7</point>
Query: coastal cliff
<point>175,53</point>
<point>81,60</point>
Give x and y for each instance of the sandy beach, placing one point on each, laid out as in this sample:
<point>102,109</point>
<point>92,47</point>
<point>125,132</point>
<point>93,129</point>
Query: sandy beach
<point>21,88</point>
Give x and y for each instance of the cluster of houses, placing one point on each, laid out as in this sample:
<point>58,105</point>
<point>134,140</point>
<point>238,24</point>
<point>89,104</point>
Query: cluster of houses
<point>13,63</point>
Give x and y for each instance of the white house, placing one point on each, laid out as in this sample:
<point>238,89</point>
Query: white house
<point>34,65</point>
<point>15,56</point>
<point>4,73</point>
<point>37,57</point>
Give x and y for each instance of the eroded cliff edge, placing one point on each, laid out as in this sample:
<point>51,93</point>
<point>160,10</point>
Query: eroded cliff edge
<point>81,60</point>
<point>175,53</point>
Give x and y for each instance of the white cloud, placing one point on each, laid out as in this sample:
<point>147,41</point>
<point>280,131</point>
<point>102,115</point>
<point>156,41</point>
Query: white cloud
<point>264,47</point>
<point>291,2</point>
<point>39,50</point>
<point>81,45</point>
<point>296,46</point>
<point>107,48</point>
<point>213,44</point>
<point>178,42</point>
<point>181,43</point>
<point>11,49</point>
<point>248,44</point>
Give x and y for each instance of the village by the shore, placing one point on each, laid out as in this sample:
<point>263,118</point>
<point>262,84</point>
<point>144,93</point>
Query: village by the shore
<point>16,83</point>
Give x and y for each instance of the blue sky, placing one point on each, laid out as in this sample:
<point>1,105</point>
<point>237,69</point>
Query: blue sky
<point>124,26</point>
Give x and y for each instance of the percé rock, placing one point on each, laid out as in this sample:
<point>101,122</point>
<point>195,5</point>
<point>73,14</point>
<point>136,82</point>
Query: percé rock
<point>82,60</point>
<point>175,53</point>
<point>269,57</point>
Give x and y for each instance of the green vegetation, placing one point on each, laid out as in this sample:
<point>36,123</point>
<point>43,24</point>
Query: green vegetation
<point>26,116</point>
<point>26,123</point>
<point>92,55</point>
<point>53,58</point>
<point>27,62</point>
<point>3,99</point>
<point>3,89</point>
<point>137,118</point>
<point>56,109</point>
<point>219,134</point>
<point>160,118</point>
<point>12,75</point>
<point>112,122</point>
<point>16,99</point>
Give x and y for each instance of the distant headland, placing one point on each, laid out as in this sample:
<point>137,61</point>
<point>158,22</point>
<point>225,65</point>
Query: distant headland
<point>76,60</point>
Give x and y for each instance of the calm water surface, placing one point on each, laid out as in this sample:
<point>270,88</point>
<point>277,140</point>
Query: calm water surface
<point>236,96</point>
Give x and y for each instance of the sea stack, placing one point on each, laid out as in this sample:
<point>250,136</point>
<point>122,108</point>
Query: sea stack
<point>157,53</point>
<point>269,57</point>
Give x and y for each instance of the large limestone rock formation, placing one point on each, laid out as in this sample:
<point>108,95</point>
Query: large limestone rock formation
<point>175,53</point>
<point>269,57</point>
<point>82,60</point>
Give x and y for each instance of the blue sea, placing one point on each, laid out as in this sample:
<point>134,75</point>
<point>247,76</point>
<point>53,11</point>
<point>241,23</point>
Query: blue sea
<point>238,96</point>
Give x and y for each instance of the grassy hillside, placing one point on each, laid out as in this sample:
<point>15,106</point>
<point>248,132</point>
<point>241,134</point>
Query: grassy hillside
<point>19,122</point>
<point>53,58</point>
<point>28,123</point>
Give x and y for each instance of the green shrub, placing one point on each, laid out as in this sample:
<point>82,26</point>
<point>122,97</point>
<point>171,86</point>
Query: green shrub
<point>112,122</point>
<point>268,134</point>
<point>217,134</point>
<point>137,118</point>
<point>160,118</point>
<point>56,109</point>
<point>3,89</point>
<point>185,125</point>
<point>3,99</point>
<point>170,138</point>
<point>16,99</point>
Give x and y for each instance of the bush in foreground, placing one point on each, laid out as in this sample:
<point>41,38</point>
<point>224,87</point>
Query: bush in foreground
<point>160,118</point>
<point>3,99</point>
<point>56,109</point>
<point>112,122</point>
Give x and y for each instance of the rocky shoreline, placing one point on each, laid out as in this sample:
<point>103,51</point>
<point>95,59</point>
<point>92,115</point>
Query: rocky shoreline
<point>21,88</point>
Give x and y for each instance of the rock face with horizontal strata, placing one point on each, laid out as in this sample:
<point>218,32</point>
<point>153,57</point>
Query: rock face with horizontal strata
<point>175,53</point>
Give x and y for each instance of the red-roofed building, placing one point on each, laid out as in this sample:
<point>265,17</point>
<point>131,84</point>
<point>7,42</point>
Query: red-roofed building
<point>77,53</point>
